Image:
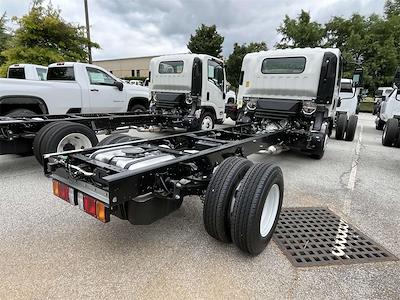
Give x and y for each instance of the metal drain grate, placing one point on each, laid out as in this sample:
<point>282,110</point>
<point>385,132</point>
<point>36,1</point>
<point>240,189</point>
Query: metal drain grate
<point>315,236</point>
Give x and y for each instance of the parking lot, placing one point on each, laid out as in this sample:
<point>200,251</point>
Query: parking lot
<point>52,250</point>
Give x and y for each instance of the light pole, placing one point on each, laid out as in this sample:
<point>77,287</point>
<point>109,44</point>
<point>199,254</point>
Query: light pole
<point>88,31</point>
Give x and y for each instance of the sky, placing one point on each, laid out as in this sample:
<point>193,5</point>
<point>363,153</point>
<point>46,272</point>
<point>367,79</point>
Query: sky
<point>130,28</point>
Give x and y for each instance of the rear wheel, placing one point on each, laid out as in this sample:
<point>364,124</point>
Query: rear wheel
<point>138,108</point>
<point>257,207</point>
<point>341,125</point>
<point>21,112</point>
<point>39,138</point>
<point>351,128</point>
<point>390,132</point>
<point>220,192</point>
<point>67,136</point>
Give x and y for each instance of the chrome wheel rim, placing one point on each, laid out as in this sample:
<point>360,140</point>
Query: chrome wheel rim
<point>270,210</point>
<point>207,123</point>
<point>74,141</point>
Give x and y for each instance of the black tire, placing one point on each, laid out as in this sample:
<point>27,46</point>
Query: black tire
<point>116,138</point>
<point>138,108</point>
<point>379,125</point>
<point>341,125</point>
<point>39,138</point>
<point>198,124</point>
<point>351,128</point>
<point>390,132</point>
<point>219,194</point>
<point>248,206</point>
<point>55,134</point>
<point>21,112</point>
<point>319,153</point>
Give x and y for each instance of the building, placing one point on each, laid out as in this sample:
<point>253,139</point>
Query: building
<point>127,67</point>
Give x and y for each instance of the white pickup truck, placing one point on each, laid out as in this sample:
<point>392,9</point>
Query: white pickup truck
<point>27,71</point>
<point>71,88</point>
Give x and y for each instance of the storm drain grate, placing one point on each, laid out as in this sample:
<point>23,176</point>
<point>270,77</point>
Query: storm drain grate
<point>315,236</point>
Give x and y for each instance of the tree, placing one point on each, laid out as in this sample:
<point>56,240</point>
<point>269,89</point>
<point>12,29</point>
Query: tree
<point>370,41</point>
<point>300,32</point>
<point>392,8</point>
<point>235,59</point>
<point>43,37</point>
<point>4,37</point>
<point>206,41</point>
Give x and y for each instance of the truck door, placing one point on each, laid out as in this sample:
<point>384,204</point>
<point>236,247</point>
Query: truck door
<point>215,87</point>
<point>104,96</point>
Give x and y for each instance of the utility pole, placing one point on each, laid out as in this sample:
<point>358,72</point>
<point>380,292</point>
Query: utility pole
<point>88,31</point>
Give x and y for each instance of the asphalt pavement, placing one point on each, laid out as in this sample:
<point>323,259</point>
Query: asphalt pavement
<point>51,250</point>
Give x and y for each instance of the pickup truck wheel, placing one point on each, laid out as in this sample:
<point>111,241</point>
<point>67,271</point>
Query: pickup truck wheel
<point>390,132</point>
<point>138,108</point>
<point>220,192</point>
<point>39,138</point>
<point>68,136</point>
<point>257,207</point>
<point>341,125</point>
<point>379,124</point>
<point>117,138</point>
<point>22,112</point>
<point>351,128</point>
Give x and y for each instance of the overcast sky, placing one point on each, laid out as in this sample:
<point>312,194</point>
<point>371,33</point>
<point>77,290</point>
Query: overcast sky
<point>128,28</point>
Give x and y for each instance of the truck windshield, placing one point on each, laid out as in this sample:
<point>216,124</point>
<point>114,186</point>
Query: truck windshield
<point>16,73</point>
<point>61,73</point>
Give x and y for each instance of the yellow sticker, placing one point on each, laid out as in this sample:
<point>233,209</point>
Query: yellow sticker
<point>247,83</point>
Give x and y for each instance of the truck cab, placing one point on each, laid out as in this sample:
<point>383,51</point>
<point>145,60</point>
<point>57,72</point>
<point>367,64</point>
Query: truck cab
<point>292,89</point>
<point>27,71</point>
<point>191,85</point>
<point>71,87</point>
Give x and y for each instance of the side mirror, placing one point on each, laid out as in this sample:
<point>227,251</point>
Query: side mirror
<point>383,98</point>
<point>119,85</point>
<point>358,77</point>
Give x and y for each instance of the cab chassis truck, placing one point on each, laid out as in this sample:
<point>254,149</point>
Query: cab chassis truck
<point>144,180</point>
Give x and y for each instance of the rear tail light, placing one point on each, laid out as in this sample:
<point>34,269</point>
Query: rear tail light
<point>85,202</point>
<point>93,207</point>
<point>64,192</point>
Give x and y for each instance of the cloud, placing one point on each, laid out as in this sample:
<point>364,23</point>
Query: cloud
<point>126,28</point>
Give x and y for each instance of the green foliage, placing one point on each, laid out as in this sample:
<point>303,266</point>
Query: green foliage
<point>300,32</point>
<point>235,59</point>
<point>392,8</point>
<point>369,41</point>
<point>43,37</point>
<point>206,41</point>
<point>4,37</point>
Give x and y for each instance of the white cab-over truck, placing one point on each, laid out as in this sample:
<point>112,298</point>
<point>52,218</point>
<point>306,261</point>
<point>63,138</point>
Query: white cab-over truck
<point>295,90</point>
<point>191,85</point>
<point>71,88</point>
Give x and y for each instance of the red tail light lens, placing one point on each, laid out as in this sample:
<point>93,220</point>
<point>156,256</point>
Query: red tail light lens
<point>89,205</point>
<point>61,190</point>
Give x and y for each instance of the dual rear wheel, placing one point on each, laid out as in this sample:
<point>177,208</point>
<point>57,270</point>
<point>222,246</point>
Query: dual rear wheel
<point>62,136</point>
<point>243,202</point>
<point>346,128</point>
